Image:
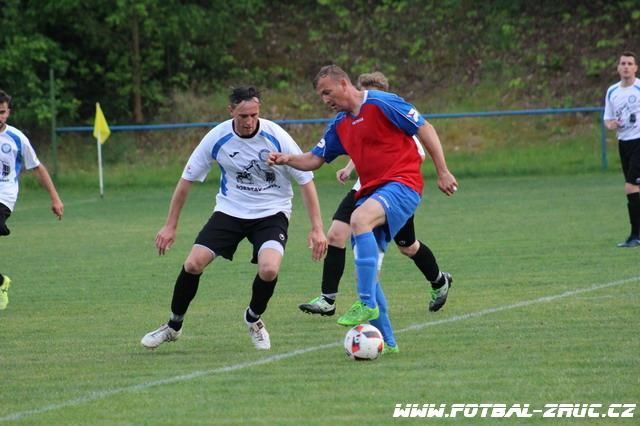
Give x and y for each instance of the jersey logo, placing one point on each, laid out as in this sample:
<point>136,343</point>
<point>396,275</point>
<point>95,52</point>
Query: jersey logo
<point>234,154</point>
<point>414,115</point>
<point>6,148</point>
<point>6,169</point>
<point>245,176</point>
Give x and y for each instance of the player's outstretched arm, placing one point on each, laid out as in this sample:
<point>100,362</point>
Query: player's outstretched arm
<point>429,138</point>
<point>167,234</point>
<point>317,240</point>
<point>305,162</point>
<point>45,180</point>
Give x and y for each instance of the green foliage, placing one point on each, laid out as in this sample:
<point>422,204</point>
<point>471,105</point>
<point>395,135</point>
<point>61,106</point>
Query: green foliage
<point>193,46</point>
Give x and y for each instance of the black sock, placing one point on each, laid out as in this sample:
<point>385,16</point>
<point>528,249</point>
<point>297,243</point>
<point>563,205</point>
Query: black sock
<point>633,205</point>
<point>183,293</point>
<point>332,269</point>
<point>260,294</point>
<point>426,262</point>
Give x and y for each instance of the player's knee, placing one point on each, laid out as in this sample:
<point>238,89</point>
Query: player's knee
<point>337,238</point>
<point>192,266</point>
<point>410,250</point>
<point>268,272</point>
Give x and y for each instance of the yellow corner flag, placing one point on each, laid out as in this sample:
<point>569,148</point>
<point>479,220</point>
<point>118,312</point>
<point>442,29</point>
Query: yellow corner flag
<point>100,129</point>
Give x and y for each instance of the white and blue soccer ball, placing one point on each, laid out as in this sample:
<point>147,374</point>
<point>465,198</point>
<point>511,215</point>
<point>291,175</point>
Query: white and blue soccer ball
<point>363,342</point>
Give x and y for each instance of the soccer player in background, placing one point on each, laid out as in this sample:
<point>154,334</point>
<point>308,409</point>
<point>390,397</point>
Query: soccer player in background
<point>376,130</point>
<point>340,231</point>
<point>253,202</point>
<point>622,114</point>
<point>16,154</point>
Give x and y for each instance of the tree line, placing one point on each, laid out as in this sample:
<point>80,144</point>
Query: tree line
<point>130,55</point>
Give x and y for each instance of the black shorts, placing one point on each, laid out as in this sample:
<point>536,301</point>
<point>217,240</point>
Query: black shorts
<point>5,212</point>
<point>405,236</point>
<point>346,208</point>
<point>630,160</point>
<point>222,233</point>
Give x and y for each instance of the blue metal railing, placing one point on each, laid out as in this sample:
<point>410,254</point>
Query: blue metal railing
<point>543,111</point>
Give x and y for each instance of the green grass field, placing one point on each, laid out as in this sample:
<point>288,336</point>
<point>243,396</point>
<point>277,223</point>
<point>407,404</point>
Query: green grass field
<point>544,309</point>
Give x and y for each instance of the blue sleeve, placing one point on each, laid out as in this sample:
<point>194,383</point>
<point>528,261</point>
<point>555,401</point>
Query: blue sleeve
<point>401,113</point>
<point>329,146</point>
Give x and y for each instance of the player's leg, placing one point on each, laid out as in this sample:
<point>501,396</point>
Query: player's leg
<point>374,222</point>
<point>333,266</point>
<point>426,262</point>
<point>383,323</point>
<point>630,160</point>
<point>5,212</point>
<point>269,238</point>
<point>5,281</point>
<point>219,237</point>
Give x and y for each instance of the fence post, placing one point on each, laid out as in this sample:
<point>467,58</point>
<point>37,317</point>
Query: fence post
<point>54,136</point>
<point>603,144</point>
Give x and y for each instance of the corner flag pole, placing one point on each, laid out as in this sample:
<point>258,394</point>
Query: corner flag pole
<point>101,132</point>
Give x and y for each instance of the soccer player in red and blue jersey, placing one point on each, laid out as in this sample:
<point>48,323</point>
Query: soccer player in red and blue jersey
<point>376,130</point>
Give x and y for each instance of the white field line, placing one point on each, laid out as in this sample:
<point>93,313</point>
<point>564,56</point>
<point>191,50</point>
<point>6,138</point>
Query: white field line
<point>98,395</point>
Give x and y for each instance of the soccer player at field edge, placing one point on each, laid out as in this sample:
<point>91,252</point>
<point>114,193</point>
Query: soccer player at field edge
<point>340,231</point>
<point>16,154</point>
<point>253,202</point>
<point>376,130</point>
<point>622,114</point>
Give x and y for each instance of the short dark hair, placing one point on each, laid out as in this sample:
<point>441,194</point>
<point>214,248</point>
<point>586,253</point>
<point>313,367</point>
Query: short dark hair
<point>4,97</point>
<point>243,93</point>
<point>630,54</point>
<point>332,71</point>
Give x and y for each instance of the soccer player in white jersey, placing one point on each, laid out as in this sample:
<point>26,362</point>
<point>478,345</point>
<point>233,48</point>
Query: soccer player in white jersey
<point>340,231</point>
<point>253,202</point>
<point>622,113</point>
<point>16,155</point>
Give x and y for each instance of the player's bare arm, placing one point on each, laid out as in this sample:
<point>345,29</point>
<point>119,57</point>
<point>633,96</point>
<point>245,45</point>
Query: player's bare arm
<point>317,240</point>
<point>305,162</point>
<point>343,174</point>
<point>57,207</point>
<point>429,138</point>
<point>167,234</point>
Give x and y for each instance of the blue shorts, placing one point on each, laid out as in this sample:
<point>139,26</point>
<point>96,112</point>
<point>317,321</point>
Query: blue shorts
<point>399,202</point>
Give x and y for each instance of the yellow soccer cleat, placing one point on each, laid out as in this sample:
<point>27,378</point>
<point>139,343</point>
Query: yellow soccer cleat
<point>4,292</point>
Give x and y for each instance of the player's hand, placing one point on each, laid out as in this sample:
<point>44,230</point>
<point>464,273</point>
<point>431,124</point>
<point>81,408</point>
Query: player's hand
<point>277,158</point>
<point>165,239</point>
<point>343,175</point>
<point>447,183</point>
<point>318,244</point>
<point>58,209</point>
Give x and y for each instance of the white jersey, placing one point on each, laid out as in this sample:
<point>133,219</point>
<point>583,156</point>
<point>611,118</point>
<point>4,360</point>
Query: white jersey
<point>623,104</point>
<point>16,155</point>
<point>249,188</point>
<point>419,147</point>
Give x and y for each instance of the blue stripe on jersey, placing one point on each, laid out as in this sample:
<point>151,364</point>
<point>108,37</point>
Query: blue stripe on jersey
<point>271,139</point>
<point>18,142</point>
<point>223,180</point>
<point>218,145</point>
<point>613,89</point>
<point>397,110</point>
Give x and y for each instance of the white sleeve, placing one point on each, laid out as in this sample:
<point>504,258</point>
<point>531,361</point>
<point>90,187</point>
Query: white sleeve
<point>289,146</point>
<point>609,113</point>
<point>200,162</point>
<point>29,154</point>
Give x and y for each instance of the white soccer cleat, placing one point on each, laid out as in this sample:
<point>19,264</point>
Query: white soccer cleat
<point>259,334</point>
<point>157,337</point>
